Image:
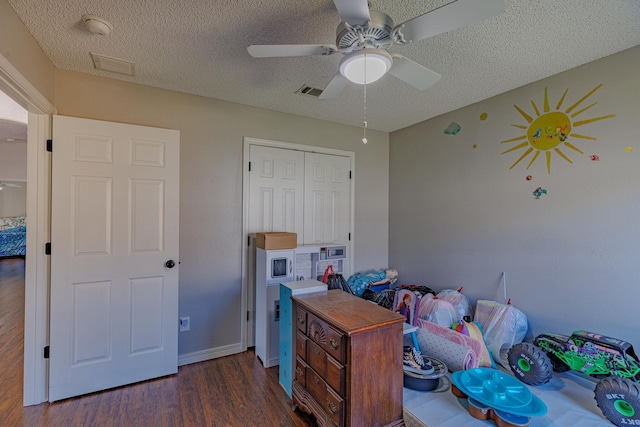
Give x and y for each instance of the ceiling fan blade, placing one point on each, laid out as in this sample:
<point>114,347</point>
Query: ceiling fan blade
<point>413,73</point>
<point>279,50</point>
<point>354,12</point>
<point>335,87</point>
<point>459,13</point>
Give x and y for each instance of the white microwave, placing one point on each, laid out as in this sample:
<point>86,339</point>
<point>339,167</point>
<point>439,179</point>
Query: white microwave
<point>279,265</point>
<point>333,252</point>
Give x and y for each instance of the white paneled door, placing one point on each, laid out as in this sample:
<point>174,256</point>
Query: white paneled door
<point>276,190</point>
<point>276,185</point>
<point>114,258</point>
<point>298,191</point>
<point>327,199</point>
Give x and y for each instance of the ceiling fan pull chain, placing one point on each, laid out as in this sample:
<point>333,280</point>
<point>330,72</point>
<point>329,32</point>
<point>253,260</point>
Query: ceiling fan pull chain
<point>364,122</point>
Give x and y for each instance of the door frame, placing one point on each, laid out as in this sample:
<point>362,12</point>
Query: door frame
<point>36,316</point>
<point>248,142</point>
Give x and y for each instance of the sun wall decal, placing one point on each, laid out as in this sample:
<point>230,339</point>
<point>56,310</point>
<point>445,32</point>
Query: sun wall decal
<point>551,131</point>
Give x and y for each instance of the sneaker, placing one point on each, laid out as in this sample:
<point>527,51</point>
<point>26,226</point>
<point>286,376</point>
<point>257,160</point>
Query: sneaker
<point>408,359</point>
<point>413,359</point>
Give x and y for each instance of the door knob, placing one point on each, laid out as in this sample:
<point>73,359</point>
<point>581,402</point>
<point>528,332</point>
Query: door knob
<point>170,264</point>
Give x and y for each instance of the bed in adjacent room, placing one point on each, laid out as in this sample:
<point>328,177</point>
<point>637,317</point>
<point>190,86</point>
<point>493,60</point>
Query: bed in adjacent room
<point>13,236</point>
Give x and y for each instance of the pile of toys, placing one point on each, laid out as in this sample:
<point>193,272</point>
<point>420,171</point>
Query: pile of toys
<point>501,328</point>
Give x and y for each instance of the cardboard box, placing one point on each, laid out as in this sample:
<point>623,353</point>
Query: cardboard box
<point>277,240</point>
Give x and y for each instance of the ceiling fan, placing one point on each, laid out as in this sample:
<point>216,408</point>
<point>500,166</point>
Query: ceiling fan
<point>364,37</point>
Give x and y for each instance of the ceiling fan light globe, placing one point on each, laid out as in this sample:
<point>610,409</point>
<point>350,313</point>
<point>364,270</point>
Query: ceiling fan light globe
<point>378,63</point>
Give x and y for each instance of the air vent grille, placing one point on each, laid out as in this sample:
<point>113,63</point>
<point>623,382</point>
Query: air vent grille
<point>113,65</point>
<point>309,91</point>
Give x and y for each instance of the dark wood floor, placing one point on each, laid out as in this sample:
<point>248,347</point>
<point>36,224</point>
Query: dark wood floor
<point>229,391</point>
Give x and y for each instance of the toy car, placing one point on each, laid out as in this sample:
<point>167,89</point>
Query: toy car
<point>610,360</point>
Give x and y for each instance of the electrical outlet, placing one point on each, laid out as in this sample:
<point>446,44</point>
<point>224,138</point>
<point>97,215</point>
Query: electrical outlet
<point>185,324</point>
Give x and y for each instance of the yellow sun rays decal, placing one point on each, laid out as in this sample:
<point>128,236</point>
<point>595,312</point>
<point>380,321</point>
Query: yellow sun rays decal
<point>550,132</point>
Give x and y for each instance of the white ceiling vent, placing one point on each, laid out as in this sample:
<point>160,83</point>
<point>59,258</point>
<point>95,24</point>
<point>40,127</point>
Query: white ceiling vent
<point>309,91</point>
<point>113,65</point>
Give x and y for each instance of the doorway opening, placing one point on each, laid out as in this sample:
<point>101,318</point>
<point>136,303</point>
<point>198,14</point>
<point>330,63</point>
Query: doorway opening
<point>13,211</point>
<point>36,264</point>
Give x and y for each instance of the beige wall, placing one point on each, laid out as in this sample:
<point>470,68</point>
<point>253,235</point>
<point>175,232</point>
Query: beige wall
<point>461,214</point>
<point>19,48</point>
<point>13,201</point>
<point>13,167</point>
<point>211,186</point>
<point>13,161</point>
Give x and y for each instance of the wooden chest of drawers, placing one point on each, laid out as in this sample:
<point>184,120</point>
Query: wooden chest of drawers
<point>348,361</point>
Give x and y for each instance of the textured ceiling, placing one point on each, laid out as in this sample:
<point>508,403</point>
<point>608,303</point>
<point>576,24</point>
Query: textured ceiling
<point>199,47</point>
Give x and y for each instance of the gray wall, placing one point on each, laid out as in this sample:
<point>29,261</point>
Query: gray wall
<point>211,134</point>
<point>460,216</point>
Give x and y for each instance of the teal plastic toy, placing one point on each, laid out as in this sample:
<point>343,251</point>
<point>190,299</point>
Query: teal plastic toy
<point>493,394</point>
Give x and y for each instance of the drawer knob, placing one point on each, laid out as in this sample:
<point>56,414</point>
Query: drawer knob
<point>316,351</point>
<point>316,380</point>
<point>333,343</point>
<point>332,407</point>
<point>301,320</point>
<point>299,371</point>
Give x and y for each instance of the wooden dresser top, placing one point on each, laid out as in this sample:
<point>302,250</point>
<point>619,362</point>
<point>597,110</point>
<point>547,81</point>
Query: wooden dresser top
<point>347,312</point>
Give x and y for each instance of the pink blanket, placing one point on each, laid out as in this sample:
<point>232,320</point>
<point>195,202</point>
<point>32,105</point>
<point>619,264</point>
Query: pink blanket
<point>456,350</point>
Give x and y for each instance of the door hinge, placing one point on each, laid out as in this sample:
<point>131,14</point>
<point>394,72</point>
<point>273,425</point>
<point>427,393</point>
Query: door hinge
<point>47,248</point>
<point>46,352</point>
<point>349,236</point>
<point>50,145</point>
<point>249,166</point>
<point>249,241</point>
<point>349,174</point>
<point>247,315</point>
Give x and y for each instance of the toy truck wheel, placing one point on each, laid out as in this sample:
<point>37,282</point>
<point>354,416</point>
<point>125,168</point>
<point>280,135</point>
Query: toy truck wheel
<point>557,364</point>
<point>619,400</point>
<point>530,364</point>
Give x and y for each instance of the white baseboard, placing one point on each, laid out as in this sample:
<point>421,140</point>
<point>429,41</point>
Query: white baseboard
<point>208,354</point>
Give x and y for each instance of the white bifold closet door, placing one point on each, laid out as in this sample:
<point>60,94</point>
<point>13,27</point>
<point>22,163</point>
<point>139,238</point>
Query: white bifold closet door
<point>326,199</point>
<point>276,198</point>
<point>276,190</point>
<point>300,192</point>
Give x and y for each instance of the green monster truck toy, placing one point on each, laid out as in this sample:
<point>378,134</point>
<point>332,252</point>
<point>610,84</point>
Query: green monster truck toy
<point>612,361</point>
